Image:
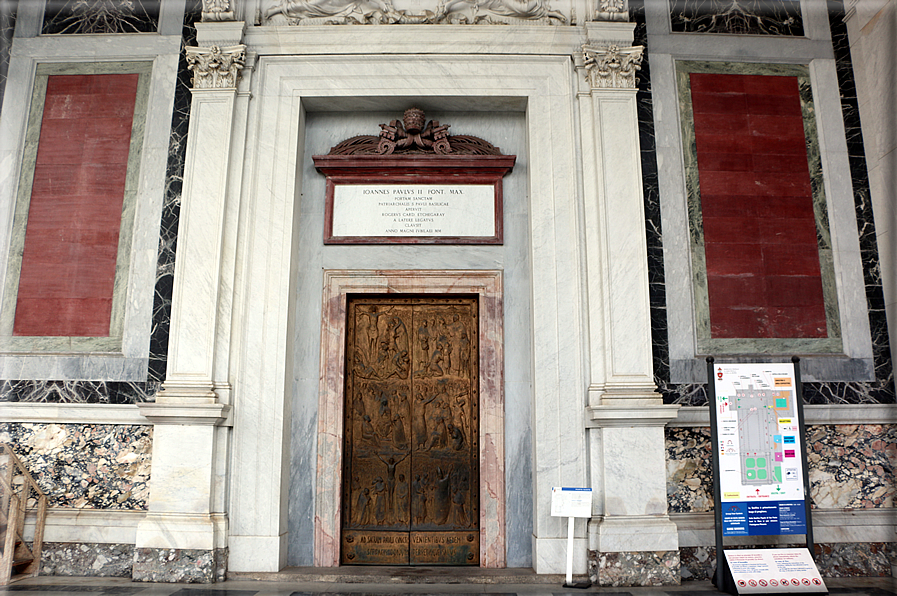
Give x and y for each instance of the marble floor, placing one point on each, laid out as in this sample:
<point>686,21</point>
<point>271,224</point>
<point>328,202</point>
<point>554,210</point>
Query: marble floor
<point>62,586</point>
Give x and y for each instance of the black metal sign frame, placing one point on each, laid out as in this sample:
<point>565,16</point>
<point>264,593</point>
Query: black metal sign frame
<point>723,577</point>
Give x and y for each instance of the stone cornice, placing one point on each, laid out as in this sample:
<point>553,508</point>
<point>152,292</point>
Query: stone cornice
<point>630,416</point>
<point>192,414</point>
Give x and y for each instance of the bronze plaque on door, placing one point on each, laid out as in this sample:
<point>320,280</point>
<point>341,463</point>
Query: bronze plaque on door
<point>411,457</point>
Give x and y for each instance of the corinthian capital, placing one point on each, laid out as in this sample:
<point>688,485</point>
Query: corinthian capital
<point>217,10</point>
<point>611,67</point>
<point>216,67</point>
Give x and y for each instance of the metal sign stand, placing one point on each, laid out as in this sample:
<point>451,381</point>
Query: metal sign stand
<point>571,503</point>
<point>723,577</point>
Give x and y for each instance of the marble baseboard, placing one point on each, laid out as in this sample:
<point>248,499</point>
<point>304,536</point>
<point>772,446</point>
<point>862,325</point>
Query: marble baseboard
<point>658,568</point>
<point>182,566</point>
<point>849,559</point>
<point>86,560</point>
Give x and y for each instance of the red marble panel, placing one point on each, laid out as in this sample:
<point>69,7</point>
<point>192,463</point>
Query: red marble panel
<point>762,258</point>
<point>727,162</point>
<point>736,258</point>
<point>800,321</point>
<point>793,290</point>
<point>738,322</point>
<point>779,163</point>
<point>717,124</point>
<point>724,143</point>
<point>71,241</point>
<point>769,85</point>
<point>731,230</point>
<point>786,259</point>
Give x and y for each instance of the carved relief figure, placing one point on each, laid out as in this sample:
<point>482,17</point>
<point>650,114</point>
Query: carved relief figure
<point>469,12</point>
<point>465,12</point>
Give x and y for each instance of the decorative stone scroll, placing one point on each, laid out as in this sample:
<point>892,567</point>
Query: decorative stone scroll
<point>414,184</point>
<point>612,10</point>
<point>410,135</point>
<point>612,67</point>
<point>454,12</point>
<point>217,10</point>
<point>216,67</point>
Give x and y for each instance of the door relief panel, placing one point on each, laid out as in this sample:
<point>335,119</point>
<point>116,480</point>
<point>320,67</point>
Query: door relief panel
<point>411,477</point>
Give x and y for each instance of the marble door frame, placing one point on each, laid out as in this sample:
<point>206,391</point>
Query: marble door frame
<point>337,285</point>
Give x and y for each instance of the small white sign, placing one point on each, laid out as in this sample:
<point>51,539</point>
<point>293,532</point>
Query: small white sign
<point>571,502</point>
<point>413,210</point>
<point>772,570</point>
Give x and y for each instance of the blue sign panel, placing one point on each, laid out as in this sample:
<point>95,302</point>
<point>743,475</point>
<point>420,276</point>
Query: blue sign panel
<point>759,518</point>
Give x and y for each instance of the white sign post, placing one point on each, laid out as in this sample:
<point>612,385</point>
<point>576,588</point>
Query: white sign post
<point>571,503</point>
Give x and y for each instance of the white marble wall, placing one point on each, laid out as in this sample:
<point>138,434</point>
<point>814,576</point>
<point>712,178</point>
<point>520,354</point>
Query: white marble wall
<point>872,29</point>
<point>323,130</point>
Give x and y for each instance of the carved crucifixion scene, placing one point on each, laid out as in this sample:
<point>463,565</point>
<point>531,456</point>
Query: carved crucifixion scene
<point>410,474</point>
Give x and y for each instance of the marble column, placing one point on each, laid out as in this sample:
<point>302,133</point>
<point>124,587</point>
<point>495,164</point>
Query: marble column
<point>183,537</point>
<point>631,538</point>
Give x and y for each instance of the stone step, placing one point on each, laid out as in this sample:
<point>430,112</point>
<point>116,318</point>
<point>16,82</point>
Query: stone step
<point>401,575</point>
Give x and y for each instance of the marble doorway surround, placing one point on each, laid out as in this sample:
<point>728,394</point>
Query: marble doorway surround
<point>285,88</point>
<point>487,285</point>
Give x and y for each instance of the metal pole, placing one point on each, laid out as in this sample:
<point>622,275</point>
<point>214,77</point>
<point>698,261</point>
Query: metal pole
<point>802,430</point>
<point>717,497</point>
<point>570,551</point>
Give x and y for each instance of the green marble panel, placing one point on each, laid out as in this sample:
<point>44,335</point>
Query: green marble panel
<point>705,344</point>
<point>113,343</point>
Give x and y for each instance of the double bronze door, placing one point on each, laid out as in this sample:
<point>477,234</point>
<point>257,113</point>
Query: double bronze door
<point>411,453</point>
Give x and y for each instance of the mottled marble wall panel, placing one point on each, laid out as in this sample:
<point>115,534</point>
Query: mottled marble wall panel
<point>848,559</point>
<point>91,466</point>
<point>752,17</point>
<point>851,466</point>
<point>101,16</point>
<point>86,560</point>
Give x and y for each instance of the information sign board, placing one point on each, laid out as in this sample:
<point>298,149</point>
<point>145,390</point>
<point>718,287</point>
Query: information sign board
<point>571,502</point>
<point>772,570</point>
<point>760,458</point>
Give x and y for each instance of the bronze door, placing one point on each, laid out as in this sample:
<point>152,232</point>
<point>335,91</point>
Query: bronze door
<point>411,452</point>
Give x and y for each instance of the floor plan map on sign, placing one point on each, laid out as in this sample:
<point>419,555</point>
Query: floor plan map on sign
<point>761,482</point>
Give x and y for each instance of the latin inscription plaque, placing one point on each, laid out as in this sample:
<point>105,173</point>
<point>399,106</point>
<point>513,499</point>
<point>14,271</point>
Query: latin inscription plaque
<point>413,210</point>
<point>417,199</point>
